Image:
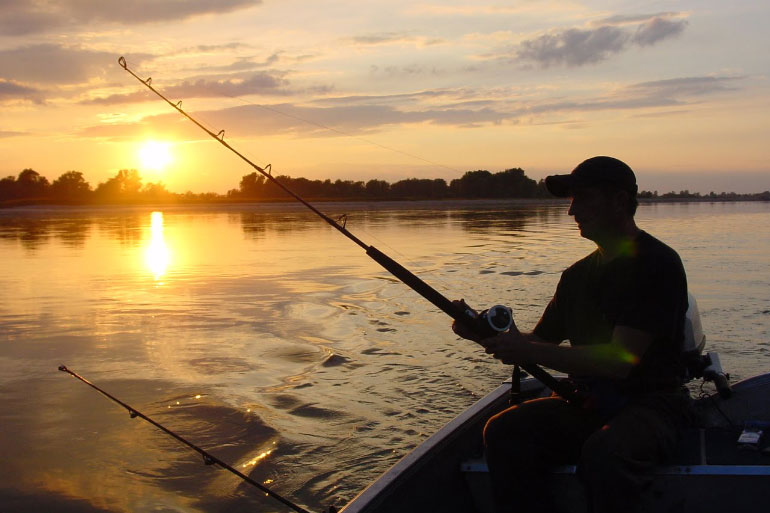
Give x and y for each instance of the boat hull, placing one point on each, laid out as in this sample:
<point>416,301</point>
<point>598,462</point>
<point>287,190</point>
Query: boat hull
<point>710,473</point>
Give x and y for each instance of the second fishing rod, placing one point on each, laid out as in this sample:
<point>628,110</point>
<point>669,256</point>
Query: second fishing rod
<point>490,322</point>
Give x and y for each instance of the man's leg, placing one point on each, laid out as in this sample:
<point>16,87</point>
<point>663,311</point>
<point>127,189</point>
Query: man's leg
<point>523,442</point>
<point>616,460</point>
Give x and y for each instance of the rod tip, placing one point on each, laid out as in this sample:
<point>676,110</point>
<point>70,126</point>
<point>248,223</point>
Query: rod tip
<point>63,368</point>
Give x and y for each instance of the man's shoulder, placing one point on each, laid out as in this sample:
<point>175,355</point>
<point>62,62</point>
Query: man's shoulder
<point>588,262</point>
<point>650,247</point>
<point>646,252</point>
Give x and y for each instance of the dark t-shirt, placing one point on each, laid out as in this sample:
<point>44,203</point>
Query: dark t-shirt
<point>644,288</point>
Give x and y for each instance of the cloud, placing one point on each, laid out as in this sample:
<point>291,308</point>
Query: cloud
<point>634,19</point>
<point>657,29</point>
<point>53,64</point>
<point>213,48</point>
<point>13,91</point>
<point>48,66</point>
<point>254,83</point>
<point>7,133</point>
<point>470,9</point>
<point>676,92</point>
<point>139,96</point>
<point>573,47</point>
<point>392,99</point>
<point>356,115</point>
<point>382,38</point>
<point>24,17</point>
<point>393,38</point>
<point>241,63</point>
<point>406,71</point>
<point>246,84</point>
<point>246,63</point>
<point>302,121</point>
<point>685,87</point>
<point>578,46</point>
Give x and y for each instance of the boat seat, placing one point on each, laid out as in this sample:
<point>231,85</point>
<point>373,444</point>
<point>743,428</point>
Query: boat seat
<point>708,462</point>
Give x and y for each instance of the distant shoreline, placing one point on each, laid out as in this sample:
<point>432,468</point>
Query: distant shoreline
<point>126,189</point>
<point>29,202</point>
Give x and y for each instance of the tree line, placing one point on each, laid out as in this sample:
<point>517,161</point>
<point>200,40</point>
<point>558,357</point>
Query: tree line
<point>126,186</point>
<point>717,196</point>
<point>71,187</point>
<point>511,183</point>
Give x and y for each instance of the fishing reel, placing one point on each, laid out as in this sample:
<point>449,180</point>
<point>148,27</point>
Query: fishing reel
<point>492,321</point>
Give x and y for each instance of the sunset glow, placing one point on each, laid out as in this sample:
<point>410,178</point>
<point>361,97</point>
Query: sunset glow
<point>388,90</point>
<point>155,155</point>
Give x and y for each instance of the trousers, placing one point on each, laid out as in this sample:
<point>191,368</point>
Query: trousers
<point>614,455</point>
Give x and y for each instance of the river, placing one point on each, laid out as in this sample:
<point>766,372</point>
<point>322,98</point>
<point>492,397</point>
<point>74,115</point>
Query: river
<point>266,337</point>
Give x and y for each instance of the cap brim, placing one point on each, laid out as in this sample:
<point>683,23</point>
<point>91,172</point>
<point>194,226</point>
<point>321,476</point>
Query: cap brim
<point>560,185</point>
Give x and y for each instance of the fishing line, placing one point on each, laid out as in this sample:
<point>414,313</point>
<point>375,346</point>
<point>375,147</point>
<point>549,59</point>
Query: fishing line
<point>208,458</point>
<point>340,132</point>
<point>488,323</point>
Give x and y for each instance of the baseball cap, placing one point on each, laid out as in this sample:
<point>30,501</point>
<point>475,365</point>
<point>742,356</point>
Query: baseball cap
<point>594,171</point>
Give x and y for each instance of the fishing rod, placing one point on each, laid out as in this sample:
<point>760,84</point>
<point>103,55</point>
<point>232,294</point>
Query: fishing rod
<point>208,458</point>
<point>490,322</point>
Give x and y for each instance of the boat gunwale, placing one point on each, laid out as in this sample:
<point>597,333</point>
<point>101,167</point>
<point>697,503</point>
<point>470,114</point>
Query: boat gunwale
<point>374,492</point>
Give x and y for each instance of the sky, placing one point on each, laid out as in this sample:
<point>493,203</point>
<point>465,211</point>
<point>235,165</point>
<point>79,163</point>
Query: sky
<point>360,89</point>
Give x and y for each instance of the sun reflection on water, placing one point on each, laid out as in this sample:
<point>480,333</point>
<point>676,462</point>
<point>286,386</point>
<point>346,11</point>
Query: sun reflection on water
<point>157,256</point>
<point>259,457</point>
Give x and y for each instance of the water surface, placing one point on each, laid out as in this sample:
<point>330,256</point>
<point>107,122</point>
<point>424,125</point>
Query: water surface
<point>266,337</point>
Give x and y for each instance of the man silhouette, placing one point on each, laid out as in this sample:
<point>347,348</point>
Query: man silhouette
<point>622,309</point>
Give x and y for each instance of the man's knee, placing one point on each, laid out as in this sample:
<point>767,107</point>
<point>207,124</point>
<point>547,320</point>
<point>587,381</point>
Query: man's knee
<point>598,456</point>
<point>543,429</point>
<point>505,428</point>
<point>636,440</point>
<point>612,458</point>
<point>520,422</point>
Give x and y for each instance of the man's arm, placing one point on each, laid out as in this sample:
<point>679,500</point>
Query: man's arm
<point>610,360</point>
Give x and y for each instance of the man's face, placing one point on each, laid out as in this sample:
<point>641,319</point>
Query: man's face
<point>595,213</point>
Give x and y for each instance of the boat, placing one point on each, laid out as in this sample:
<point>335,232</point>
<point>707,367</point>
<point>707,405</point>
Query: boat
<point>722,464</point>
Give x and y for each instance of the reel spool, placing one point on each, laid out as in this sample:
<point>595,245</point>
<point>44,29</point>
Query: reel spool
<point>494,320</point>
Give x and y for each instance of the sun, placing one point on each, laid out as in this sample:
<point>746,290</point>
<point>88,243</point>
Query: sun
<point>155,155</point>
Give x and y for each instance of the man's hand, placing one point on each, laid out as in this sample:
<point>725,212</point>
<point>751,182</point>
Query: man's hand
<point>510,347</point>
<point>461,329</point>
